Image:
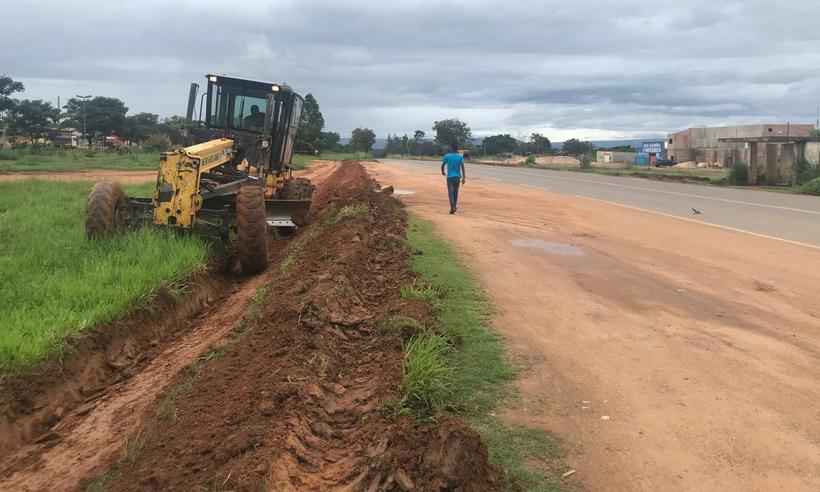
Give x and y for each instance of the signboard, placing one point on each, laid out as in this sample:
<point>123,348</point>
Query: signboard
<point>652,148</point>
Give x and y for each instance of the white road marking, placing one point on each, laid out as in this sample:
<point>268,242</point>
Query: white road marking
<point>686,219</point>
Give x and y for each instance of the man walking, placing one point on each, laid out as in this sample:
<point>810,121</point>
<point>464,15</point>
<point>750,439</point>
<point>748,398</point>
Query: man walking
<point>455,175</point>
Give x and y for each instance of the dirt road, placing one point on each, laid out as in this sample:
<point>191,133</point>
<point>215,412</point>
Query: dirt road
<point>670,355</point>
<point>125,177</point>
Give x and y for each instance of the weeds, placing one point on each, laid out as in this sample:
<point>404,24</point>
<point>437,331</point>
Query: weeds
<point>420,291</point>
<point>428,378</point>
<point>348,212</point>
<point>811,188</point>
<point>739,174</point>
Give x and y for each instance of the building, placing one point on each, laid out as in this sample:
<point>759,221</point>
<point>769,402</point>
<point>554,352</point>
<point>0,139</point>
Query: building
<point>613,157</point>
<point>721,146</point>
<point>773,159</point>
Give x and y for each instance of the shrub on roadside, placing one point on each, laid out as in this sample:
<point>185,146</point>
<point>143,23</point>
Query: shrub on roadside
<point>739,174</point>
<point>586,161</point>
<point>7,155</point>
<point>157,143</point>
<point>530,161</point>
<point>805,172</point>
<point>812,187</point>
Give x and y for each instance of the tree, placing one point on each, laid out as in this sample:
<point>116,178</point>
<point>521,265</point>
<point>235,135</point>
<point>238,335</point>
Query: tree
<point>33,118</point>
<point>139,126</point>
<point>540,143</point>
<point>451,132</point>
<point>576,147</point>
<point>362,139</point>
<point>7,88</point>
<point>499,144</point>
<point>310,125</point>
<point>103,115</point>
<point>405,144</point>
<point>328,141</point>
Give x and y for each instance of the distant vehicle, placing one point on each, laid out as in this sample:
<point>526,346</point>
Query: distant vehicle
<point>665,162</point>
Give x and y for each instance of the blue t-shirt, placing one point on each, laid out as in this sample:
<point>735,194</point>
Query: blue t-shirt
<point>454,160</point>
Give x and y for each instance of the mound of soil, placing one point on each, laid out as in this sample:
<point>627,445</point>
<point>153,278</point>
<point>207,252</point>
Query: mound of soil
<point>300,399</point>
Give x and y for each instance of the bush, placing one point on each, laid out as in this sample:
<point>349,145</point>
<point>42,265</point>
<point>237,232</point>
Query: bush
<point>805,172</point>
<point>739,174</point>
<point>586,161</point>
<point>7,155</point>
<point>530,161</point>
<point>812,187</point>
<point>157,143</point>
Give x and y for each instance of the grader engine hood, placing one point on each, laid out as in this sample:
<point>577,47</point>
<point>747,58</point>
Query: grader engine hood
<point>177,198</point>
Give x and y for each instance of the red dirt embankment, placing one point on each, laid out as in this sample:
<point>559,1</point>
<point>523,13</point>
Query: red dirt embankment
<point>298,401</point>
<point>296,394</point>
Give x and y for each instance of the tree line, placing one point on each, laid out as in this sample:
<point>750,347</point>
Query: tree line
<point>105,116</point>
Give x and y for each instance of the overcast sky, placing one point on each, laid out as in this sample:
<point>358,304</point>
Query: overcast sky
<point>574,68</point>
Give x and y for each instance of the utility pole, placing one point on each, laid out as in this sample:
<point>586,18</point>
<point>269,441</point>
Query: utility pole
<point>84,100</point>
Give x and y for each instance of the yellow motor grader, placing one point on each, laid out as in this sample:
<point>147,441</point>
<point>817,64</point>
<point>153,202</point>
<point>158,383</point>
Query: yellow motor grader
<point>234,181</point>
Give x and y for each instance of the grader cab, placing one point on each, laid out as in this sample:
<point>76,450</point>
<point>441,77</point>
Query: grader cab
<point>233,183</point>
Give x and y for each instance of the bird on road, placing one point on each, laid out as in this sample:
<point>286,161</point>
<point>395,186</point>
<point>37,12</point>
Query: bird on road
<point>696,211</point>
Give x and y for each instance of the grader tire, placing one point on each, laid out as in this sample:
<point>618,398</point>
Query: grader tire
<point>106,211</point>
<point>298,189</point>
<point>252,229</point>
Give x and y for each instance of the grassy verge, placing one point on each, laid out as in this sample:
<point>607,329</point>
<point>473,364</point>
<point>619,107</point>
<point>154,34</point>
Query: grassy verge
<point>301,161</point>
<point>463,368</point>
<point>54,282</point>
<point>51,160</point>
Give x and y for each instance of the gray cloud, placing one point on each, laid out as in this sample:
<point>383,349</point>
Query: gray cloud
<point>585,68</point>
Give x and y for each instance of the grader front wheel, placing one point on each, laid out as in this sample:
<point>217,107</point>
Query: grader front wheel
<point>106,211</point>
<point>251,229</point>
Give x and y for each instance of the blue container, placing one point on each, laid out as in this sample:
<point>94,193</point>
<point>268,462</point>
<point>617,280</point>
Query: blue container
<point>642,159</point>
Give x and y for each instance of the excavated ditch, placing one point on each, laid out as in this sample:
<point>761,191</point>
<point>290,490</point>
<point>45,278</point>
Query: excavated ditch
<point>296,397</point>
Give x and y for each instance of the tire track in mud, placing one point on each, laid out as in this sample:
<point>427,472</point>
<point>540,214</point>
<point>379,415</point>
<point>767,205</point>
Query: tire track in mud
<point>96,437</point>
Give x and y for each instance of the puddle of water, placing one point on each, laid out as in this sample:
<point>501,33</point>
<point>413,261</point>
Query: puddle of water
<point>399,191</point>
<point>548,247</point>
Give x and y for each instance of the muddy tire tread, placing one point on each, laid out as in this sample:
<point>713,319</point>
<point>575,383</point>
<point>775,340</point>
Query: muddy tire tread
<point>252,230</point>
<point>101,218</point>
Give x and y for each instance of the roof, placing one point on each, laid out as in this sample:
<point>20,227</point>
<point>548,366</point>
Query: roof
<point>769,139</point>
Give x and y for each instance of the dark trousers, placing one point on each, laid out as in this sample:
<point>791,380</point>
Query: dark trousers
<point>452,191</point>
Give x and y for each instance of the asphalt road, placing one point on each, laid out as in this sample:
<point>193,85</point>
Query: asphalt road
<point>780,215</point>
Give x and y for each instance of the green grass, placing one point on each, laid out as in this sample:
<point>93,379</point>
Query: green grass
<point>301,161</point>
<point>428,377</point>
<point>479,377</point>
<point>348,212</point>
<point>50,160</point>
<point>55,283</point>
<point>811,188</point>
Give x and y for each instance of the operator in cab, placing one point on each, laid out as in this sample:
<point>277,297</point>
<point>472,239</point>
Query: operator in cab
<point>456,176</point>
<point>255,120</point>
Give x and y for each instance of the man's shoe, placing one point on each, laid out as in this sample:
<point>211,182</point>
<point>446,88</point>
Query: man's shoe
<point>452,211</point>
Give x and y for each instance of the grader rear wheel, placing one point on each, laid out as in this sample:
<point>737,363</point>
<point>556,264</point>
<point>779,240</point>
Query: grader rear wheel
<point>106,211</point>
<point>252,229</point>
